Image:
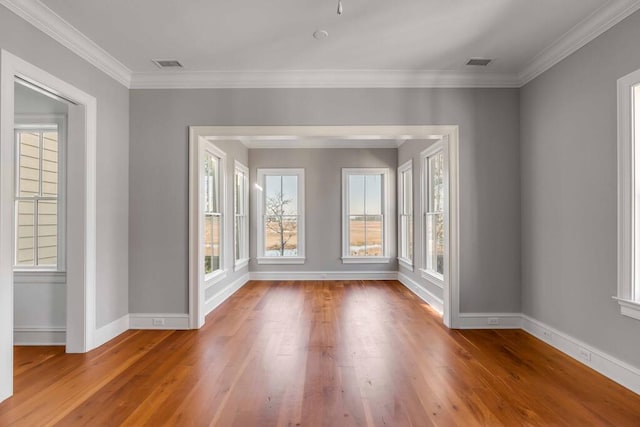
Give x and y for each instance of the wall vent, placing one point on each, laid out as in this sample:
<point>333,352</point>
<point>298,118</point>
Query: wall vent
<point>167,63</point>
<point>481,62</point>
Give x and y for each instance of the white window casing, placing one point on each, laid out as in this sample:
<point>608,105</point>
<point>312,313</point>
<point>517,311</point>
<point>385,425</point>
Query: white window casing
<point>273,215</point>
<point>216,211</point>
<point>241,219</point>
<point>347,256</point>
<point>405,215</point>
<point>628,294</point>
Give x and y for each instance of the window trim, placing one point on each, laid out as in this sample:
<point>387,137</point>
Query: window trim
<point>243,261</point>
<point>404,168</point>
<point>210,279</point>
<point>386,209</point>
<point>39,122</point>
<point>262,173</point>
<point>429,275</point>
<point>628,180</point>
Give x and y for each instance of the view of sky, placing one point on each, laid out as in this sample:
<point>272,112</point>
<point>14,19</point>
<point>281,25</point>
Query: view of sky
<point>365,194</point>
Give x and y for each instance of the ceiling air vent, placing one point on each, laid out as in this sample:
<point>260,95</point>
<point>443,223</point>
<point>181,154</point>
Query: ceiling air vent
<point>481,62</point>
<point>167,63</point>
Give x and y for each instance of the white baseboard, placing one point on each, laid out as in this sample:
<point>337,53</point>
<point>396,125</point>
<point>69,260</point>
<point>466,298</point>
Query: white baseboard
<point>324,275</point>
<point>108,332</point>
<point>490,321</point>
<point>421,292</point>
<point>225,293</point>
<point>612,368</point>
<point>39,336</point>
<point>162,321</point>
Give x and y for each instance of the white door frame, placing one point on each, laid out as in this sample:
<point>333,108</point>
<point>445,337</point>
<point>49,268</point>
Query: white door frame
<point>81,240</point>
<point>448,134</point>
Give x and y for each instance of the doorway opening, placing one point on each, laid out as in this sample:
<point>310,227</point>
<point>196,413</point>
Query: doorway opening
<point>77,253</point>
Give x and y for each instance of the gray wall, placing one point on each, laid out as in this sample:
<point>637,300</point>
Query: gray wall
<point>28,101</point>
<point>489,158</point>
<point>323,197</point>
<point>569,201</point>
<point>22,39</point>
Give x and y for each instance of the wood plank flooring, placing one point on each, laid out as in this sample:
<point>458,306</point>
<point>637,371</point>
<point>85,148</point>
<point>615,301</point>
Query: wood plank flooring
<point>341,353</point>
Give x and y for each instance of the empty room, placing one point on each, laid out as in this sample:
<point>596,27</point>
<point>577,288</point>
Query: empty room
<point>319,213</point>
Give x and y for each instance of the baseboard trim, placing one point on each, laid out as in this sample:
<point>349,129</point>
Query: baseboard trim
<point>609,366</point>
<point>215,301</point>
<point>324,275</point>
<point>489,321</point>
<point>421,292</point>
<point>160,321</point>
<point>108,332</point>
<point>32,336</point>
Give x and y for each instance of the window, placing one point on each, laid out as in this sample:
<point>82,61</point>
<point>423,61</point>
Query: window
<point>365,217</point>
<point>39,190</point>
<point>213,208</point>
<point>405,215</point>
<point>280,216</point>
<point>241,221</point>
<point>434,212</point>
<point>629,195</point>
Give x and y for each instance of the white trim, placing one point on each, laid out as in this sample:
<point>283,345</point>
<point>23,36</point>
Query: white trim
<point>262,173</point>
<point>225,293</point>
<point>385,199</point>
<point>50,23</point>
<point>171,321</point>
<point>628,177</point>
<point>432,278</point>
<point>244,244</point>
<point>39,335</point>
<point>401,194</point>
<point>109,331</point>
<point>422,293</point>
<point>310,142</point>
<point>214,278</point>
<point>81,240</point>
<point>594,25</point>
<point>321,79</point>
<point>629,308</point>
<point>490,321</point>
<point>609,366</point>
<point>324,275</point>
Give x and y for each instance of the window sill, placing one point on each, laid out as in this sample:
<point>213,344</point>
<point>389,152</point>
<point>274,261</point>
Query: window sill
<point>240,264</point>
<point>365,260</point>
<point>629,308</point>
<point>213,278</point>
<point>433,278</point>
<point>39,277</point>
<point>405,263</point>
<point>281,260</point>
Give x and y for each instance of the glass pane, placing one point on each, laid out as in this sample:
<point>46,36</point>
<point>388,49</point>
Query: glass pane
<point>357,235</point>
<point>239,196</point>
<point>406,234</point>
<point>238,235</point>
<point>208,244</point>
<point>436,183</point>
<point>435,243</point>
<point>410,237</point>
<point>25,253</point>
<point>208,194</point>
<point>373,235</point>
<point>29,164</point>
<point>50,164</point>
<point>290,195</point>
<point>373,190</point>
<point>407,199</point>
<point>356,194</point>
<point>281,235</point>
<point>215,258</point>
<point>47,233</point>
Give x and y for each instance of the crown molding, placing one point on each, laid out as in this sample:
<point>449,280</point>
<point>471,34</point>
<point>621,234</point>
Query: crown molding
<point>320,79</point>
<point>597,23</point>
<point>46,20</point>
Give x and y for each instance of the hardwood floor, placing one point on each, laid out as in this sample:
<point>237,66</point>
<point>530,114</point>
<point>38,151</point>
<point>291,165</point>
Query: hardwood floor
<point>315,354</point>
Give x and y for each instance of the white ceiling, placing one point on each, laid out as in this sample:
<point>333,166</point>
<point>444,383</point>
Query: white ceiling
<point>410,37</point>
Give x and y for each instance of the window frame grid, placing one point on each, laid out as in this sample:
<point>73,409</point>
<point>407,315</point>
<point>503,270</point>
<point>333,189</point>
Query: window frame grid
<point>426,202</point>
<point>347,258</point>
<point>209,149</point>
<point>41,123</point>
<point>262,174</point>
<point>404,240</point>
<point>242,217</point>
